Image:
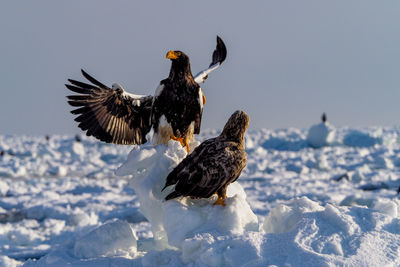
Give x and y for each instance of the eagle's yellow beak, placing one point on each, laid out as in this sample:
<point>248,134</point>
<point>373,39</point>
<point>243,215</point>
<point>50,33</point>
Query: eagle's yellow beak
<point>172,55</point>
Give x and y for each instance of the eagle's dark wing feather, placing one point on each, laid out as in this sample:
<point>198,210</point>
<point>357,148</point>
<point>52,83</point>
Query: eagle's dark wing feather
<point>180,170</point>
<point>219,56</point>
<point>209,167</point>
<point>112,116</point>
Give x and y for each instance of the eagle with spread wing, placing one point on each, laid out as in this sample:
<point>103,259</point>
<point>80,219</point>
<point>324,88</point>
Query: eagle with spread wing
<point>213,165</point>
<point>115,116</point>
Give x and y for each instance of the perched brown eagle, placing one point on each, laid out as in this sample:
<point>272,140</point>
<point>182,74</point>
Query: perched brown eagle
<point>214,164</point>
<point>174,112</point>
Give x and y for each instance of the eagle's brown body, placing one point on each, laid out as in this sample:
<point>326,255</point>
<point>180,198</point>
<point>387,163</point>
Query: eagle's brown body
<point>214,164</point>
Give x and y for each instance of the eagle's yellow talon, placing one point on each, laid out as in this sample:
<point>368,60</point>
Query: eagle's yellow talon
<point>220,201</point>
<point>184,142</point>
<point>179,139</point>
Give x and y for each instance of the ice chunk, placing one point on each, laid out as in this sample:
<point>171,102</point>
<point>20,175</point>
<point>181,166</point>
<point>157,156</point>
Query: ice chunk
<point>24,236</point>
<point>3,188</point>
<point>208,250</point>
<point>341,220</point>
<point>80,218</point>
<point>175,220</point>
<point>111,239</point>
<point>150,166</point>
<point>320,135</point>
<point>388,207</point>
<point>187,217</point>
<point>284,218</point>
<point>8,262</point>
<point>78,149</point>
<point>383,163</point>
<point>357,138</point>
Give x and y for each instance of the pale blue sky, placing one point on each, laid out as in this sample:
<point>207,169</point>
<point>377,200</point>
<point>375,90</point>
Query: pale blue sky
<point>288,61</point>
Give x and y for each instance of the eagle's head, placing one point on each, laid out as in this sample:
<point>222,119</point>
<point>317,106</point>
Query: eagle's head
<point>180,63</point>
<point>178,56</point>
<point>236,126</point>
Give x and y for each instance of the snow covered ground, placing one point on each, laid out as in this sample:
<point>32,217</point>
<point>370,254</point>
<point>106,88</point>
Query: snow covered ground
<point>62,204</point>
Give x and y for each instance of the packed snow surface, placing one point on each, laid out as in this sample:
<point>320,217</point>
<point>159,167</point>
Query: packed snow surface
<point>68,203</point>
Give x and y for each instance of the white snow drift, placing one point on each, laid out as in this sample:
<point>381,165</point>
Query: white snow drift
<point>62,205</point>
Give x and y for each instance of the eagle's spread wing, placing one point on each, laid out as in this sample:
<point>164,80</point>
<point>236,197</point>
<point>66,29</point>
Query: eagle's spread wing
<point>218,57</point>
<point>209,167</point>
<point>110,114</point>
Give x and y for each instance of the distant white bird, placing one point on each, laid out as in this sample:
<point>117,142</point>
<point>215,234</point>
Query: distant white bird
<point>321,134</point>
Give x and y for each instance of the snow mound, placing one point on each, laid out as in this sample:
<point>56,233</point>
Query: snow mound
<point>111,239</point>
<point>186,218</point>
<point>282,144</point>
<point>300,233</point>
<point>320,135</point>
<point>284,218</point>
<point>176,220</point>
<point>357,138</point>
<point>150,166</point>
<point>281,140</point>
<point>305,233</point>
